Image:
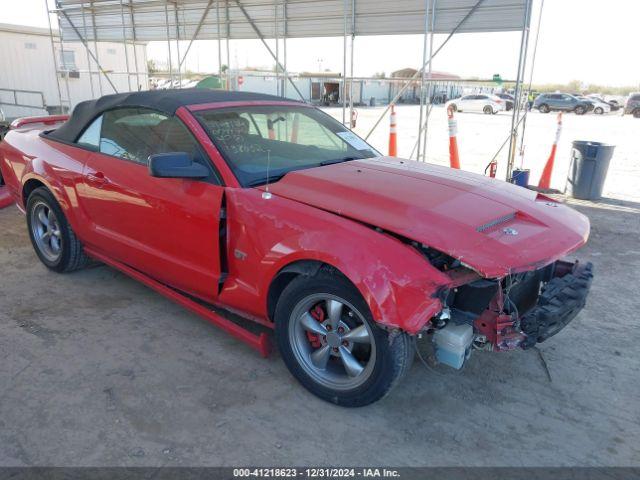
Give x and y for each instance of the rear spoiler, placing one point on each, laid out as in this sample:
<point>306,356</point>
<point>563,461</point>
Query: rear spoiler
<point>46,120</point>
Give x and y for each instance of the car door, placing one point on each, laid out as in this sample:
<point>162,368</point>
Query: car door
<point>168,228</point>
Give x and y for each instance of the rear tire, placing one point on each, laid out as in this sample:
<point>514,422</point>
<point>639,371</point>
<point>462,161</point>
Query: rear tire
<point>52,238</point>
<point>488,110</point>
<point>309,316</point>
<point>636,113</point>
<point>544,108</point>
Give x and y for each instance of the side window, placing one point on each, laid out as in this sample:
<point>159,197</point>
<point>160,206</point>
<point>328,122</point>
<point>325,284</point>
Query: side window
<point>132,133</point>
<point>91,136</point>
<point>136,133</point>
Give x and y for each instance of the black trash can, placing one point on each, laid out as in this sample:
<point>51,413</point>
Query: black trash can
<point>588,170</point>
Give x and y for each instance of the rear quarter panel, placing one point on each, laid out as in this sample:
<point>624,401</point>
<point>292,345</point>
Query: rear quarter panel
<point>25,156</point>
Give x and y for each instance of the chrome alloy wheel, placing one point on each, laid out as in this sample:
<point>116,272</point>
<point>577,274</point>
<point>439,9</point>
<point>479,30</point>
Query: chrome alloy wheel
<point>45,228</point>
<point>332,342</point>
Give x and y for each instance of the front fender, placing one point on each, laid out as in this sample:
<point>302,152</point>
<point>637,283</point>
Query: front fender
<point>397,283</point>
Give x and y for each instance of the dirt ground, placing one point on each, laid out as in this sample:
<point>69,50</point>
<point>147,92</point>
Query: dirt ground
<point>96,369</point>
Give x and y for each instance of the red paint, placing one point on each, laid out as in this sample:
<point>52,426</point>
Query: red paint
<point>165,232</point>
<point>5,197</point>
<point>45,120</point>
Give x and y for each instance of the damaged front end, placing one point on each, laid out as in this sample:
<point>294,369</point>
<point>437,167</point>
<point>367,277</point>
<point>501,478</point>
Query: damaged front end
<point>516,311</point>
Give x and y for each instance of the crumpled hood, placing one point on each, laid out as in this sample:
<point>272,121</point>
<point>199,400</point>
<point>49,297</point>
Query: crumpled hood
<point>493,226</point>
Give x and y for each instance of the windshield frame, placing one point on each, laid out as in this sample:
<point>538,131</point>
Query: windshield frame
<point>198,110</point>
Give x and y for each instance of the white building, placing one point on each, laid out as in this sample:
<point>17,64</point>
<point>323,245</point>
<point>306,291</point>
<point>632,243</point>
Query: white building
<point>31,83</point>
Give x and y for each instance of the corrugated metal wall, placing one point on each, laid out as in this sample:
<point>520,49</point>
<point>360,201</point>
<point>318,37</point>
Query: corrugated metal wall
<point>27,63</point>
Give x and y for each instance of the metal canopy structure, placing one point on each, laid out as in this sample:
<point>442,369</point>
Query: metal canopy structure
<point>146,20</point>
<point>129,21</point>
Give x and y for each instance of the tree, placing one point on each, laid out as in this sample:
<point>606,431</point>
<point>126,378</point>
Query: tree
<point>151,66</point>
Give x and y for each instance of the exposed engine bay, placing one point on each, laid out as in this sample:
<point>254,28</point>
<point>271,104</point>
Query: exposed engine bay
<point>516,311</point>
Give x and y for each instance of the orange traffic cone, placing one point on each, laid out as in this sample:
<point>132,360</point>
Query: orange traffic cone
<point>545,179</point>
<point>454,158</point>
<point>393,140</point>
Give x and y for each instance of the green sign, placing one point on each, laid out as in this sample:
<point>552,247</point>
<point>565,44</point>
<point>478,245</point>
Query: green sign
<point>497,78</point>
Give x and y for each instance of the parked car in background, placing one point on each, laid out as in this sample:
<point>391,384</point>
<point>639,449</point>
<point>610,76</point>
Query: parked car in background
<point>483,102</point>
<point>509,100</point>
<point>272,209</point>
<point>600,107</point>
<point>562,102</point>
<point>632,105</point>
<point>614,105</point>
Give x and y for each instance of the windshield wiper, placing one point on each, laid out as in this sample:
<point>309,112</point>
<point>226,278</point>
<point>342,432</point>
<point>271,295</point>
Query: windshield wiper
<point>265,180</point>
<point>339,160</point>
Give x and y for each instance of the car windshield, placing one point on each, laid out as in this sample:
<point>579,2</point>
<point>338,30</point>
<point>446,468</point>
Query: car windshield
<point>264,143</point>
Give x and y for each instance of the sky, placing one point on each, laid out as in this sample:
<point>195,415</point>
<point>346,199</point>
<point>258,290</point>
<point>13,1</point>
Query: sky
<point>588,40</point>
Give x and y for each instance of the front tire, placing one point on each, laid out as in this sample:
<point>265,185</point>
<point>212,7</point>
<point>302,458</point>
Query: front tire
<point>330,343</point>
<point>598,111</point>
<point>580,110</point>
<point>52,238</point>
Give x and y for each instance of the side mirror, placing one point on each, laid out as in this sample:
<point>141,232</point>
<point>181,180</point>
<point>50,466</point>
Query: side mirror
<point>176,165</point>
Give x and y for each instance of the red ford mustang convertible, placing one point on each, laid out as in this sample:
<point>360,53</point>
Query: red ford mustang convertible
<point>274,211</point>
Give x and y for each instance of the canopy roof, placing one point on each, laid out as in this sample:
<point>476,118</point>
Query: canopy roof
<point>150,20</point>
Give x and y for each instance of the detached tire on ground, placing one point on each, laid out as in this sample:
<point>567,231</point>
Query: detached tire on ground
<point>51,235</point>
<point>331,345</point>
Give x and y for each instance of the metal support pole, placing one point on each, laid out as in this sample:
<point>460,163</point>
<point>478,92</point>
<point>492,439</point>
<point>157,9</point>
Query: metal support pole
<point>344,64</point>
<point>266,45</point>
<point>353,37</point>
<point>419,72</point>
<point>430,84</point>
<point>95,45</point>
<point>135,47</point>
<point>175,11</point>
<point>515,117</point>
<point>284,47</point>
<point>86,45</point>
<point>124,43</point>
<point>423,77</point>
<point>198,28</point>
<point>166,17</point>
<point>533,62</point>
<point>219,40</point>
<point>276,36</point>
<point>84,29</point>
<point>53,52</point>
<point>228,34</point>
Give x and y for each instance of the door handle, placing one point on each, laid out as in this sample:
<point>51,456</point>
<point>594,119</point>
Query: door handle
<point>97,178</point>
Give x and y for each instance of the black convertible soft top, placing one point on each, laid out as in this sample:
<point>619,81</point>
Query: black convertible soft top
<point>166,101</point>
